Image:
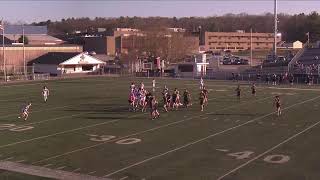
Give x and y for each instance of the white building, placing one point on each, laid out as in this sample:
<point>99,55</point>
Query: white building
<point>57,63</point>
<point>198,67</point>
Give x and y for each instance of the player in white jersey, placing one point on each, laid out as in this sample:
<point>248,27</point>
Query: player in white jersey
<point>25,111</point>
<point>153,85</point>
<point>201,83</point>
<point>45,93</point>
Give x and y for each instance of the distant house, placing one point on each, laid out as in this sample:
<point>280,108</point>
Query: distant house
<point>57,63</point>
<point>294,45</point>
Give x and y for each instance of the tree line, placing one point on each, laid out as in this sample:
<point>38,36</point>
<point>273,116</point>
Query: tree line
<point>292,27</point>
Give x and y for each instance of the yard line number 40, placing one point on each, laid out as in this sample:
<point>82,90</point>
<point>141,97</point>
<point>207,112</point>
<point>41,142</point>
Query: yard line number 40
<point>104,138</point>
<point>275,159</point>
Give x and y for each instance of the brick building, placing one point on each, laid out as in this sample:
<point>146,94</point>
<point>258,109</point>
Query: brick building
<point>236,41</point>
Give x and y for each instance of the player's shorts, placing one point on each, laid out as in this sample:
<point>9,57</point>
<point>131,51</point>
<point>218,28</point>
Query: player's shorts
<point>201,101</point>
<point>238,94</point>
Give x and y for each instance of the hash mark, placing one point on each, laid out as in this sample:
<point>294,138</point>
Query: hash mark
<point>222,150</point>
<point>47,165</point>
<point>20,161</point>
<point>62,167</point>
<point>123,178</point>
<point>92,172</point>
<point>76,170</point>
<point>8,158</point>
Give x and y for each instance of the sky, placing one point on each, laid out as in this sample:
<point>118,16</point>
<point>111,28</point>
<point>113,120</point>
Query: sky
<point>41,10</point>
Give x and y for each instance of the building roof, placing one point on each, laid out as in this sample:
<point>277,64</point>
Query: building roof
<point>34,37</point>
<point>103,57</point>
<point>66,58</point>
<point>6,40</point>
<point>17,29</point>
<point>53,58</point>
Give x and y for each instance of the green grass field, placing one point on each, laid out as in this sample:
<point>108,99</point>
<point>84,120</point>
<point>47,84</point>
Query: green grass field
<point>86,128</point>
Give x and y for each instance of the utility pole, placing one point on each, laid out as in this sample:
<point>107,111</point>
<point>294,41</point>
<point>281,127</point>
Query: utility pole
<point>3,52</point>
<point>250,46</point>
<point>275,30</point>
<point>24,54</point>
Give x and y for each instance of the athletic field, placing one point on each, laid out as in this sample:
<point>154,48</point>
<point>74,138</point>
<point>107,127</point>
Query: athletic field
<point>85,131</point>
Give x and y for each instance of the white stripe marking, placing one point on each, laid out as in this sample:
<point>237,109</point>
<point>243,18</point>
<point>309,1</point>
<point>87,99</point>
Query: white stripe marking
<point>222,150</point>
<point>8,158</point>
<point>62,167</point>
<point>138,133</point>
<point>78,169</point>
<point>126,177</point>
<point>203,139</point>
<point>20,161</point>
<point>269,150</point>
<point>47,165</point>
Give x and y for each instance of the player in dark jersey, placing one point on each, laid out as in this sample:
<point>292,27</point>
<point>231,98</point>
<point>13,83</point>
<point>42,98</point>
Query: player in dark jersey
<point>154,108</point>
<point>253,89</point>
<point>201,98</point>
<point>186,98</point>
<point>277,104</point>
<point>205,91</point>
<point>166,102</point>
<point>238,91</point>
<point>175,99</point>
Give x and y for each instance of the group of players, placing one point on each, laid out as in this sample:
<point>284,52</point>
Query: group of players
<point>25,110</point>
<point>140,98</point>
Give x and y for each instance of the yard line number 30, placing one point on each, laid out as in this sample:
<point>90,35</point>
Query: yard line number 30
<point>15,128</point>
<point>104,138</point>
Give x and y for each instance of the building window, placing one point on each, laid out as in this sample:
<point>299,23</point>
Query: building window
<point>258,44</point>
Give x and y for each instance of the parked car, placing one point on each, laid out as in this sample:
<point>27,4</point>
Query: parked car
<point>227,62</point>
<point>244,61</point>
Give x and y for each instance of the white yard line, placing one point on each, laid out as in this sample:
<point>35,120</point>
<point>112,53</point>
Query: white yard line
<point>45,172</point>
<point>203,139</point>
<point>269,150</point>
<point>145,131</point>
<point>126,177</point>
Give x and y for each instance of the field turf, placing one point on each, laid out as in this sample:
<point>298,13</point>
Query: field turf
<point>86,128</point>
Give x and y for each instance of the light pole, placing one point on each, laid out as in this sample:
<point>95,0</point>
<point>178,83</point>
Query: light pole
<point>275,30</point>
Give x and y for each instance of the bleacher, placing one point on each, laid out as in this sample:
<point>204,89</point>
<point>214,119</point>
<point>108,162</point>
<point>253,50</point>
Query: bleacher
<point>308,62</point>
<point>310,56</point>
